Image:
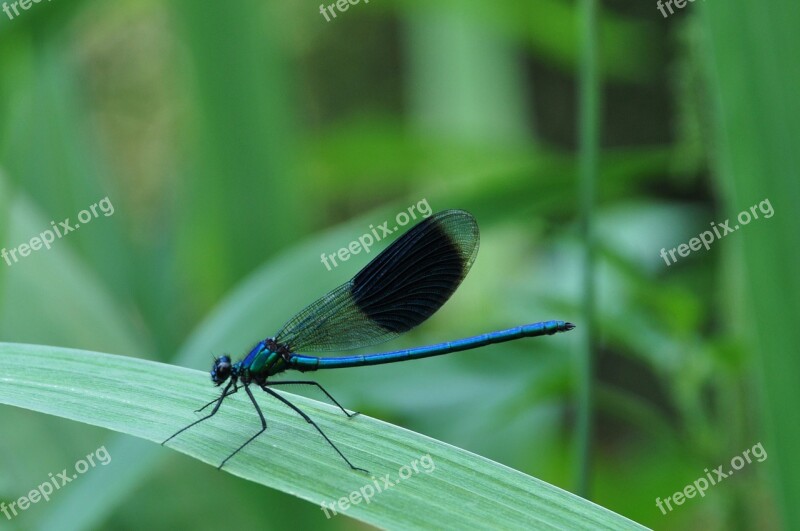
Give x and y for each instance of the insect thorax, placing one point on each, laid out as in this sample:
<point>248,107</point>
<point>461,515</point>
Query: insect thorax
<point>266,359</point>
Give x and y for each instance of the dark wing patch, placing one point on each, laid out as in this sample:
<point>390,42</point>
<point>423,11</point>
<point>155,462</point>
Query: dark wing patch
<point>399,289</point>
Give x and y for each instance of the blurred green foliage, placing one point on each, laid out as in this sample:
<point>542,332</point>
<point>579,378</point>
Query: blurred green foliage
<point>239,141</point>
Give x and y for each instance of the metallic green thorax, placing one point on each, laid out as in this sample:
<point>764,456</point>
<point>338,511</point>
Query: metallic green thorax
<point>265,360</point>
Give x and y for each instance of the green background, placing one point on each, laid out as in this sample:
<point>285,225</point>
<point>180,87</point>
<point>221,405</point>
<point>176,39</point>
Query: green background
<point>238,141</point>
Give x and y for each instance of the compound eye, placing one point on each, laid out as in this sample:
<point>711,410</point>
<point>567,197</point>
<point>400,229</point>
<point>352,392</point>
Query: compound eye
<point>221,370</point>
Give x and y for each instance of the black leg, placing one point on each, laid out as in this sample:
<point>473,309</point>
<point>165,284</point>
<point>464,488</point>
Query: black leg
<point>251,439</point>
<point>308,419</point>
<point>213,412</point>
<point>226,394</point>
<point>308,382</point>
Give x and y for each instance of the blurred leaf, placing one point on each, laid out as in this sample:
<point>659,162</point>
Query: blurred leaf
<point>550,28</point>
<point>755,80</point>
<point>239,195</point>
<point>51,296</point>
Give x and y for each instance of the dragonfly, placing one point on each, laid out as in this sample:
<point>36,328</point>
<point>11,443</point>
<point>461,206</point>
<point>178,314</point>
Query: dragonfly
<point>399,289</point>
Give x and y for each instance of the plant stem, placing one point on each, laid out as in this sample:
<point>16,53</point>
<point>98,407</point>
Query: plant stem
<point>589,101</point>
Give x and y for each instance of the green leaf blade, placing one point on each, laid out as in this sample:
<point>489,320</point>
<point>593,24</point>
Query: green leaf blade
<point>152,400</point>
